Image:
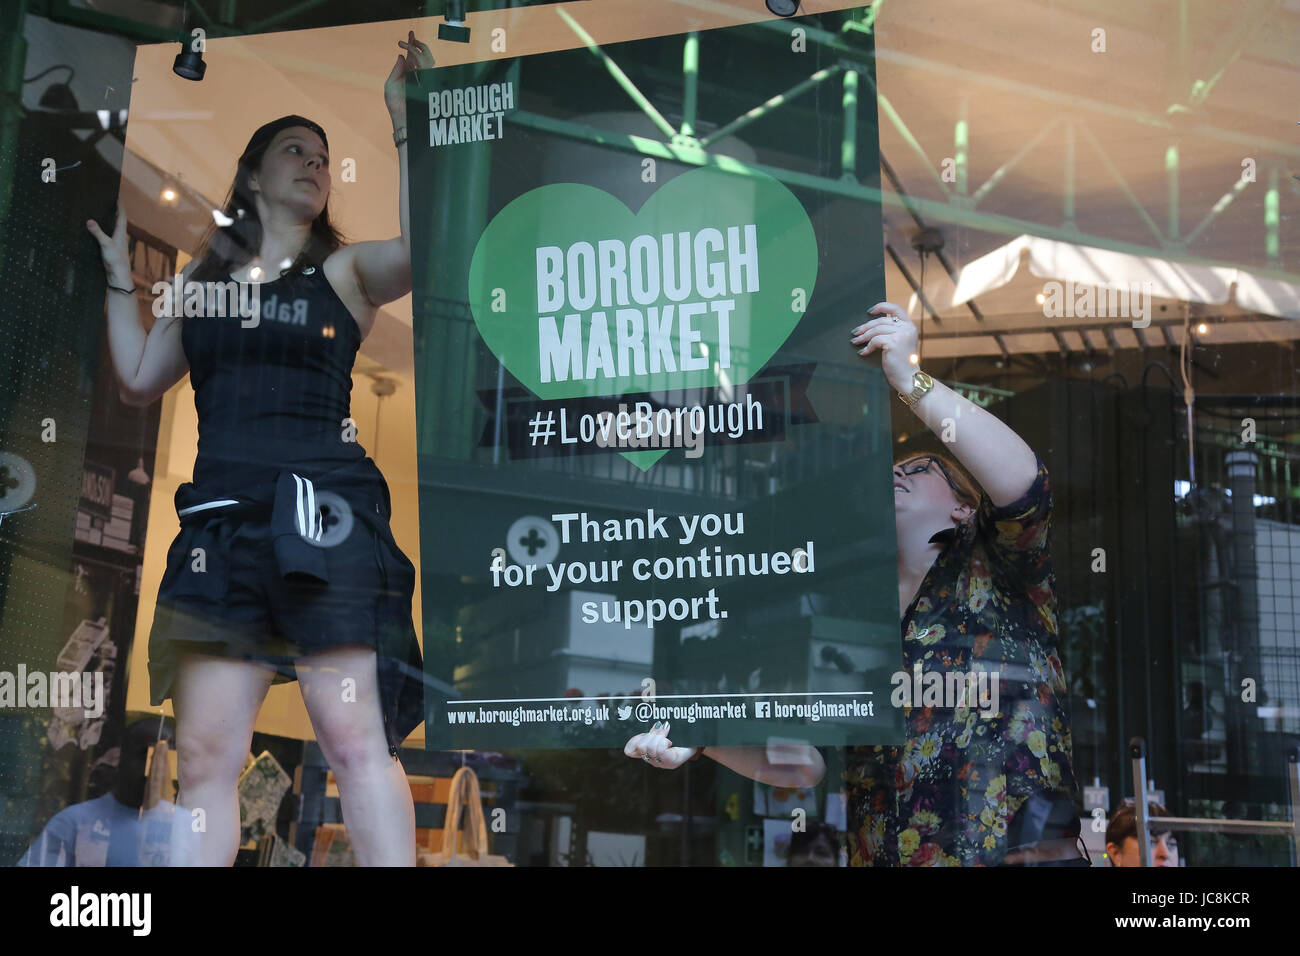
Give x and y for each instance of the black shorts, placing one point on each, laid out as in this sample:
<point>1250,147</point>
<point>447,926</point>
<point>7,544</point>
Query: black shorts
<point>223,593</point>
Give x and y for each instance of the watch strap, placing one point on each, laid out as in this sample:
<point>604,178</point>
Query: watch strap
<point>921,385</point>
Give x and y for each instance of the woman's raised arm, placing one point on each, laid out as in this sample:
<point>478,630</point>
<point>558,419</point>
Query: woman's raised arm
<point>996,457</point>
<point>383,267</point>
<point>146,366</point>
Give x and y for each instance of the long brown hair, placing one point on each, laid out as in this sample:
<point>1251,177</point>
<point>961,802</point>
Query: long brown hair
<point>226,249</point>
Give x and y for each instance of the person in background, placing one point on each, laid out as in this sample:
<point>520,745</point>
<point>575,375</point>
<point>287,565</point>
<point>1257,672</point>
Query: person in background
<point>113,829</point>
<point>819,845</point>
<point>1122,842</point>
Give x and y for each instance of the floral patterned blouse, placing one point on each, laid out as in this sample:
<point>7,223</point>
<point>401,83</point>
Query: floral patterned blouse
<point>987,604</point>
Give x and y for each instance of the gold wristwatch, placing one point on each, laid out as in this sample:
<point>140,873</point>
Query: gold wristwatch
<point>921,384</point>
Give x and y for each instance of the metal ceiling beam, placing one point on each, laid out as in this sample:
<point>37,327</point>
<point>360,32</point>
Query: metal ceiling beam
<point>62,11</point>
<point>916,286</point>
<point>974,309</point>
<point>620,77</point>
<point>1106,329</point>
<point>1249,23</point>
<point>932,209</point>
<point>306,6</point>
<point>1080,103</point>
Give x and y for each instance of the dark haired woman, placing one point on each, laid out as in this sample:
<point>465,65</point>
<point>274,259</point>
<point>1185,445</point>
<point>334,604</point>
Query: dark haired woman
<point>981,783</point>
<point>285,566</point>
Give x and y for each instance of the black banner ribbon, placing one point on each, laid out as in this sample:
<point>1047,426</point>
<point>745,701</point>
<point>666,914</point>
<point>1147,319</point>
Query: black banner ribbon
<point>757,411</point>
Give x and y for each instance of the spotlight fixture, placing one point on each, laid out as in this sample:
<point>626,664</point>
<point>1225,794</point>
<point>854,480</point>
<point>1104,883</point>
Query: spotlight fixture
<point>189,63</point>
<point>454,29</point>
<point>169,195</point>
<point>1202,329</point>
<point>783,8</point>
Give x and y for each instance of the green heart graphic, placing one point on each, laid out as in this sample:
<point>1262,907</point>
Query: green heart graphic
<point>579,296</point>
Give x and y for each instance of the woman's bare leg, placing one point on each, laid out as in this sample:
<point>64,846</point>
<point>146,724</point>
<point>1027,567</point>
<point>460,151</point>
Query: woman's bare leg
<point>216,702</point>
<point>341,690</point>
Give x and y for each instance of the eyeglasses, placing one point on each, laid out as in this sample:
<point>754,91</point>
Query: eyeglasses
<point>918,466</point>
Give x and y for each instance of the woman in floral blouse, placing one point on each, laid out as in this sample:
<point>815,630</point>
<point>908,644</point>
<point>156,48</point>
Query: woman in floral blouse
<point>984,604</point>
<point>973,785</point>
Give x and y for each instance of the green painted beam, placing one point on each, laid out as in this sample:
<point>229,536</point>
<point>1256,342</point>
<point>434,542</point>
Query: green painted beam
<point>62,11</point>
<point>958,215</point>
<point>1000,173</point>
<point>767,106</point>
<point>849,145</point>
<point>1224,201</point>
<point>1249,23</point>
<point>1272,219</point>
<point>284,16</point>
<point>1171,176</point>
<point>1123,184</point>
<point>1077,104</point>
<point>961,148</point>
<point>207,22</point>
<point>900,127</point>
<point>690,81</point>
<point>621,78</point>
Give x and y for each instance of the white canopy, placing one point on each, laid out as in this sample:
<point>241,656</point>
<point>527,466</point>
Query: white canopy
<point>1007,294</point>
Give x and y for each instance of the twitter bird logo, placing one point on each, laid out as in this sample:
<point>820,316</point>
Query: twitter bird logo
<point>624,713</point>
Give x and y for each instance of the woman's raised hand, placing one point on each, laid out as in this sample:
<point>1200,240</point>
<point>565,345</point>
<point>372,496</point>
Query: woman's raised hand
<point>656,749</point>
<point>894,335</point>
<point>418,57</point>
<point>117,257</point>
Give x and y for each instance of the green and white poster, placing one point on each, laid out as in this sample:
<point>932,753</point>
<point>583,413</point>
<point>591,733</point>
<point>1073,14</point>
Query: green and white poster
<point>654,475</point>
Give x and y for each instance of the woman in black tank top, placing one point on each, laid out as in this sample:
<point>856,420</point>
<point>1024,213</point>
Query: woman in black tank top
<point>285,566</point>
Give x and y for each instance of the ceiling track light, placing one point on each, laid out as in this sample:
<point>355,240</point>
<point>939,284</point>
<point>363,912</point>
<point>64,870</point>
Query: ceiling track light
<point>189,63</point>
<point>454,29</point>
<point>783,8</point>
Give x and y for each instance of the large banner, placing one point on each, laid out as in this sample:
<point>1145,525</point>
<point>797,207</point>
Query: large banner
<point>654,475</point>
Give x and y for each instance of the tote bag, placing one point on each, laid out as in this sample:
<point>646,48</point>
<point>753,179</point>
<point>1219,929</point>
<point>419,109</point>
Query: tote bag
<point>464,803</point>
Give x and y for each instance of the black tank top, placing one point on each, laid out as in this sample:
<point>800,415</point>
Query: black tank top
<point>273,391</point>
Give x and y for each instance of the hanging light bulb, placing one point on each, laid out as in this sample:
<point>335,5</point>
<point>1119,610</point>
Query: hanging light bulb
<point>138,475</point>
